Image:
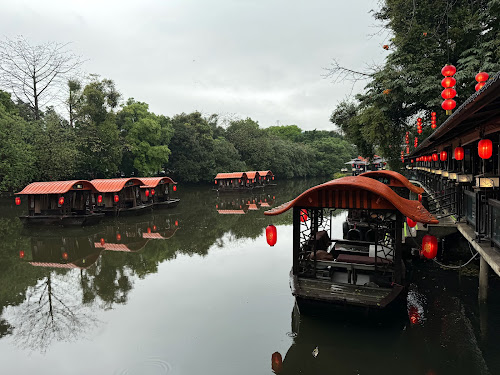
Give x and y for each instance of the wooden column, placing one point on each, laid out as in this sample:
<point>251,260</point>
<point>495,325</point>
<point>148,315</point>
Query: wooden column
<point>484,268</point>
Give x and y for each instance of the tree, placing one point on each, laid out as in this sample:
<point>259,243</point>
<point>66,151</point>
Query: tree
<point>227,157</point>
<point>35,74</point>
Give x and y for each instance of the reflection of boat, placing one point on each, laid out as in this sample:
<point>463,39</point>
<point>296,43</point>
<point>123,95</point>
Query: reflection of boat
<point>159,191</point>
<point>330,271</point>
<point>240,205</point>
<point>121,196</point>
<point>67,203</point>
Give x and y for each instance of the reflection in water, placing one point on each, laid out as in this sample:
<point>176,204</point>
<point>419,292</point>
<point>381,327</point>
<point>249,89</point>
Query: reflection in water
<point>241,203</point>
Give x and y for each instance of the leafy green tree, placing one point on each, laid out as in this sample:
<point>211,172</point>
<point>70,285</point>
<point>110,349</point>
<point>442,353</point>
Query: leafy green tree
<point>146,137</point>
<point>227,158</point>
<point>289,132</point>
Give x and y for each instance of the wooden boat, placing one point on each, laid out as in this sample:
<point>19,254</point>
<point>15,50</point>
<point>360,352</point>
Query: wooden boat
<point>329,271</point>
<point>232,182</point>
<point>266,178</point>
<point>121,196</point>
<point>396,181</point>
<point>159,191</point>
<point>66,203</point>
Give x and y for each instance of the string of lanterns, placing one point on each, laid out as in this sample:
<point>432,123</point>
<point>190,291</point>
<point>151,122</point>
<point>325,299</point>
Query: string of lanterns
<point>481,79</point>
<point>449,92</point>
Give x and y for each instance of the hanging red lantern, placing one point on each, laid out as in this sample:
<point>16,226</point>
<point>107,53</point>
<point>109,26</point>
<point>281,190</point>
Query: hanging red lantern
<point>99,199</point>
<point>485,148</point>
<point>407,150</point>
<point>419,131</point>
<point>482,77</point>
<point>215,182</point>
<point>65,255</point>
<point>434,157</point>
<point>303,215</point>
<point>448,93</point>
<point>385,46</point>
<point>448,105</point>
<point>433,125</point>
<point>147,193</point>
<point>271,235</point>
<point>116,198</point>
<point>448,70</point>
<point>443,155</point>
<point>459,153</point>
<point>152,192</point>
<point>118,237</point>
<point>174,188</point>
<point>479,86</point>
<point>420,198</point>
<point>448,82</point>
<point>18,201</point>
<point>429,246</point>
<point>21,254</point>
<point>433,114</point>
<point>411,223</point>
<point>61,201</point>
<point>411,161</point>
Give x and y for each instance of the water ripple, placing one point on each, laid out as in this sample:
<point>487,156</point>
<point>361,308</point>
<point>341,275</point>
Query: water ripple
<point>150,366</point>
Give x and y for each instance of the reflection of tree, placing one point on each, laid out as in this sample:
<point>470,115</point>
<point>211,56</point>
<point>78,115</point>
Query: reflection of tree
<point>52,311</point>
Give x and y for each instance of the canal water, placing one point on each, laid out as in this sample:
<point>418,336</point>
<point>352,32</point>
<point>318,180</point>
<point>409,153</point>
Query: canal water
<point>196,290</point>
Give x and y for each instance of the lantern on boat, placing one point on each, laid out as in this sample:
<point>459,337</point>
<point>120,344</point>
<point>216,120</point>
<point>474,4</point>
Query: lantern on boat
<point>152,192</point>
<point>21,254</point>
<point>411,223</point>
<point>61,201</point>
<point>459,153</point>
<point>18,201</point>
<point>271,235</point>
<point>176,223</point>
<point>215,182</point>
<point>443,155</point>
<point>116,198</point>
<point>303,215</point>
<point>276,362</point>
<point>481,79</point>
<point>174,188</point>
<point>429,246</point>
<point>420,198</point>
<point>99,199</point>
<point>434,157</point>
<point>485,148</point>
<point>147,193</point>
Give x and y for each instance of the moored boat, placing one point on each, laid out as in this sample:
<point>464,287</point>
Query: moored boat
<point>66,203</point>
<point>328,271</point>
<point>158,190</point>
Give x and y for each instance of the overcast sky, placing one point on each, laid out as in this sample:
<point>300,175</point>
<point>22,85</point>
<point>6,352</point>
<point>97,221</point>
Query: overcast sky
<point>262,59</point>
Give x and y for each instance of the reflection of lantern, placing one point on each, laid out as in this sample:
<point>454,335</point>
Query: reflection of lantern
<point>102,242</point>
<point>18,201</point>
<point>116,198</point>
<point>303,215</point>
<point>411,223</point>
<point>176,223</point>
<point>414,315</point>
<point>459,153</point>
<point>149,230</point>
<point>154,227</point>
<point>485,148</point>
<point>429,246</point>
<point>118,237</point>
<point>21,254</point>
<point>65,255</point>
<point>273,178</point>
<point>99,199</point>
<point>61,201</point>
<point>443,155</point>
<point>276,362</point>
<point>271,235</point>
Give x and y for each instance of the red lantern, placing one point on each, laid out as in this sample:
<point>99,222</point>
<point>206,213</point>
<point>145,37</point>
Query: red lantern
<point>485,148</point>
<point>174,188</point>
<point>118,237</point>
<point>18,201</point>
<point>448,70</point>
<point>116,198</point>
<point>448,104</point>
<point>414,315</point>
<point>154,227</point>
<point>276,362</point>
<point>65,255</point>
<point>448,93</point>
<point>482,77</point>
<point>271,235</point>
<point>433,125</point>
<point>459,153</point>
<point>303,215</point>
<point>420,198</point>
<point>21,254</point>
<point>215,182</point>
<point>99,199</point>
<point>272,178</point>
<point>419,131</point>
<point>147,193</point>
<point>152,192</point>
<point>443,155</point>
<point>433,114</point>
<point>61,201</point>
<point>411,161</point>
<point>479,86</point>
<point>434,157</point>
<point>411,223</point>
<point>429,246</point>
<point>149,230</point>
<point>419,120</point>
<point>176,223</point>
<point>102,242</point>
<point>448,82</point>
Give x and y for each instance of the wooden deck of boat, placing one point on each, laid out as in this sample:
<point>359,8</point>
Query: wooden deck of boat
<point>324,290</point>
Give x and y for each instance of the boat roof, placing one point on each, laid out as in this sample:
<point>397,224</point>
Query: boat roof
<point>231,212</point>
<point>221,176</point>
<point>55,187</point>
<point>151,182</point>
<point>114,185</point>
<point>395,179</point>
<point>265,173</point>
<point>251,174</point>
<point>357,193</point>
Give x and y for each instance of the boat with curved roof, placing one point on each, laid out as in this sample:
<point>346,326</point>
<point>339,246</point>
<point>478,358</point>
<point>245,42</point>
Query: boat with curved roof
<point>159,191</point>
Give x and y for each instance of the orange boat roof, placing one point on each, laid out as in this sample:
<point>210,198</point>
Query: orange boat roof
<point>113,185</point>
<point>396,179</point>
<point>152,182</point>
<point>357,192</point>
<point>231,212</point>
<point>222,176</point>
<point>251,174</point>
<point>265,173</point>
<point>55,187</point>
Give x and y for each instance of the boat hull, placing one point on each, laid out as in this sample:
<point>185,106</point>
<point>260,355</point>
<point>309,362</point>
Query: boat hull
<point>62,220</point>
<point>132,211</point>
<point>171,203</point>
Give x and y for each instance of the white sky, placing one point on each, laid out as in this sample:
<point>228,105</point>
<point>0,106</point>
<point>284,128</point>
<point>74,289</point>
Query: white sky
<point>262,59</point>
